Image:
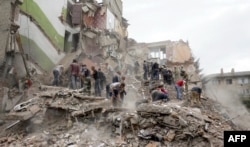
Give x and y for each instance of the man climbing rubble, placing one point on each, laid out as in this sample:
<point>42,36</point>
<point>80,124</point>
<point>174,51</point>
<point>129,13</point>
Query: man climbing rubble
<point>57,72</point>
<point>195,96</point>
<point>115,90</point>
<point>159,93</point>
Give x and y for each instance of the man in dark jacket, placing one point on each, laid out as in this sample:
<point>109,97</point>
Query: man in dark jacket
<point>102,78</point>
<point>195,95</point>
<point>155,70</point>
<point>96,77</point>
<point>146,70</point>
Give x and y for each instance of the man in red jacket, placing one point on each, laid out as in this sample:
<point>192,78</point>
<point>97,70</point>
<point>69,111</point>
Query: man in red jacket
<point>178,86</point>
<point>74,73</point>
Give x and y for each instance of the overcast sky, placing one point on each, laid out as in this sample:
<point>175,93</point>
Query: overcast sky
<point>218,31</point>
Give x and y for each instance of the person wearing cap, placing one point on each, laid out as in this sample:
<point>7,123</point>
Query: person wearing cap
<point>178,86</point>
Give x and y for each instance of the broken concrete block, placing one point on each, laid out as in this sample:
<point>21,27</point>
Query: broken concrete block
<point>170,135</point>
<point>90,98</point>
<point>152,108</point>
<point>25,115</point>
<point>170,121</point>
<point>10,101</point>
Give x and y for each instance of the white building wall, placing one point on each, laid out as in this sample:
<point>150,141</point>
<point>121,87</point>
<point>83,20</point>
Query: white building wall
<point>53,9</point>
<point>31,31</point>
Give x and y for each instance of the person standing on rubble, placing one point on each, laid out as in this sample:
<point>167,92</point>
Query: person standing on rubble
<point>102,78</point>
<point>169,78</point>
<point>155,70</point>
<point>146,70</point>
<point>96,77</point>
<point>178,86</point>
<point>74,73</point>
<point>115,90</point>
<point>57,71</point>
<point>164,73</point>
<point>185,77</point>
<point>176,74</point>
<point>85,80</point>
<point>84,72</point>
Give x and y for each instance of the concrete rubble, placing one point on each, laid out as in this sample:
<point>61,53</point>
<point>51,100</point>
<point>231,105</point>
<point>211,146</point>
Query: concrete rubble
<point>57,116</point>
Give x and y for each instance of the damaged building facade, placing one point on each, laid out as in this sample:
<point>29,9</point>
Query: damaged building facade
<point>170,53</point>
<point>84,30</point>
<point>104,32</point>
<point>94,32</point>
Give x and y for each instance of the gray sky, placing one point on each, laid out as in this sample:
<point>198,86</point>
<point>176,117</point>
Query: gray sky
<point>218,31</point>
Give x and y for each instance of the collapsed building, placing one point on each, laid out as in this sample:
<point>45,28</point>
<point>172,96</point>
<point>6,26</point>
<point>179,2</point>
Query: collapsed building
<point>94,33</point>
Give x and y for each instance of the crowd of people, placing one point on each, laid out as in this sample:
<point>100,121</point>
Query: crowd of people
<point>80,77</point>
<point>114,82</point>
<point>176,77</point>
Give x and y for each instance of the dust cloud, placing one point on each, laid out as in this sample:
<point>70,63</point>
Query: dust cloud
<point>231,104</point>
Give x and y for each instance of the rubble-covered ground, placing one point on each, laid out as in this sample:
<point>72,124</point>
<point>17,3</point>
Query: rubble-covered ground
<point>57,116</point>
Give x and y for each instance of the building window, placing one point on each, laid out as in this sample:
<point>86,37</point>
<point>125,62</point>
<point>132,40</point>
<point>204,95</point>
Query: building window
<point>243,81</point>
<point>229,81</point>
<point>216,82</point>
<point>247,91</point>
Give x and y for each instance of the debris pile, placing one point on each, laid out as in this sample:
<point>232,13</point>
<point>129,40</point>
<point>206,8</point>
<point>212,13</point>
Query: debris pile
<point>57,116</point>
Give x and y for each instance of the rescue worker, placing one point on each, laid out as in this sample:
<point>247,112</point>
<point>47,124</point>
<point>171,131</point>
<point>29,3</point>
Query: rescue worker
<point>195,95</point>
<point>164,73</point>
<point>178,85</point>
<point>57,71</point>
<point>176,74</point>
<point>155,70</point>
<point>169,77</point>
<point>86,80</point>
<point>102,78</point>
<point>115,90</point>
<point>84,72</point>
<point>146,70</point>
<point>74,73</point>
<point>96,77</point>
<point>160,93</point>
<point>185,78</point>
